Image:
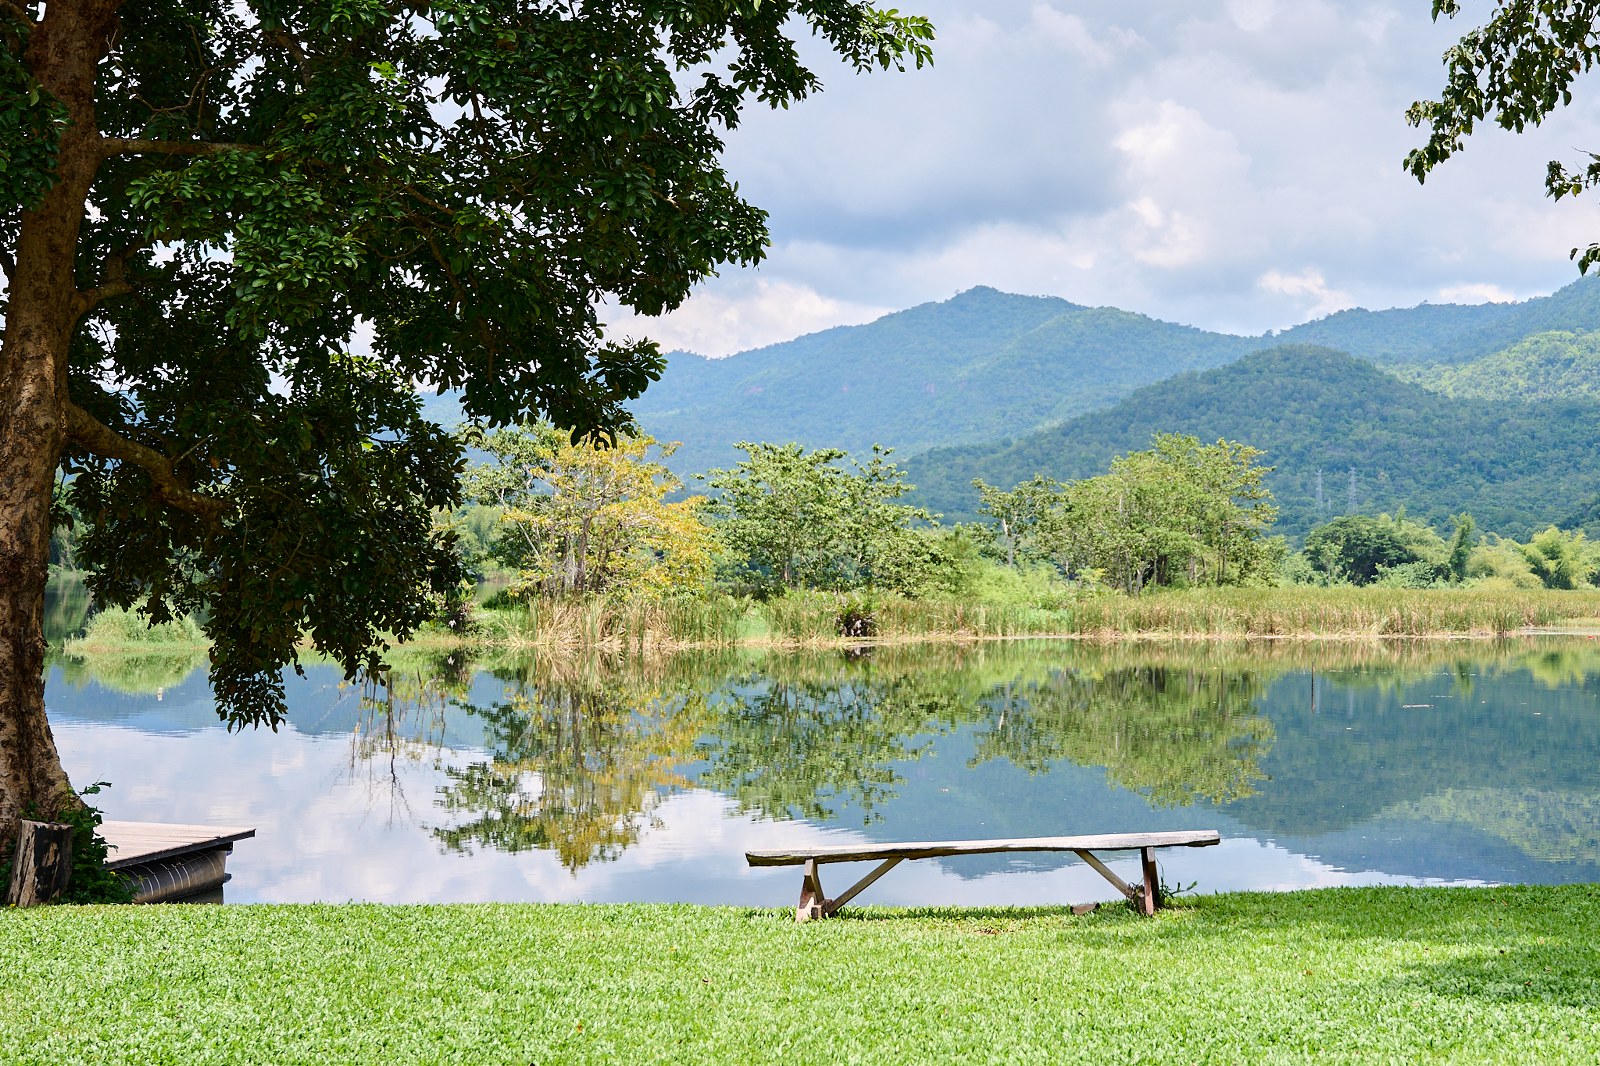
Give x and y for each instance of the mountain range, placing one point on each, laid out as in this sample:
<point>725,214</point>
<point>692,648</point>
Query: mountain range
<point>1497,413</point>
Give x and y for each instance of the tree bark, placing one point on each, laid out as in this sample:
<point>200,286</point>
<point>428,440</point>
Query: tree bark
<point>43,309</point>
<point>42,865</point>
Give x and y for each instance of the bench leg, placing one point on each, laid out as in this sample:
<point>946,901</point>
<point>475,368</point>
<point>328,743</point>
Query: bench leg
<point>830,907</point>
<point>1150,898</point>
<point>812,902</point>
<point>1146,899</point>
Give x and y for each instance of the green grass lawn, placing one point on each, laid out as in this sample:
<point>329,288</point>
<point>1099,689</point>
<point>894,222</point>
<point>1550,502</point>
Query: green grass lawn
<point>1370,975</point>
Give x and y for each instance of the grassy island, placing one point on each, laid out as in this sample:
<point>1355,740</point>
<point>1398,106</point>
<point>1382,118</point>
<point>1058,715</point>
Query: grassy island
<point>1346,975</point>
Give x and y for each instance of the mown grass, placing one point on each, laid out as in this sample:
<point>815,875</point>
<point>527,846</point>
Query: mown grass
<point>1362,975</point>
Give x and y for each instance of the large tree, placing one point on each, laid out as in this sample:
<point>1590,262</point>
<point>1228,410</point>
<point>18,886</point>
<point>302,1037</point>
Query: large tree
<point>1514,70</point>
<point>205,205</point>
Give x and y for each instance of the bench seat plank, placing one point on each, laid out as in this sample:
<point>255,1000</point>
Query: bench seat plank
<point>931,849</point>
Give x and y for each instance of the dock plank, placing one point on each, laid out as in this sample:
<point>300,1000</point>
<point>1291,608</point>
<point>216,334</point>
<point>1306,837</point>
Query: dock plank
<point>135,843</point>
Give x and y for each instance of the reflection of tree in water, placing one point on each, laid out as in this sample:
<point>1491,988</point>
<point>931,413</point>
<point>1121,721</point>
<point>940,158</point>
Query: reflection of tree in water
<point>66,607</point>
<point>805,748</point>
<point>808,747</point>
<point>404,720</point>
<point>137,674</point>
<point>582,753</point>
<point>577,765</point>
<point>1172,734</point>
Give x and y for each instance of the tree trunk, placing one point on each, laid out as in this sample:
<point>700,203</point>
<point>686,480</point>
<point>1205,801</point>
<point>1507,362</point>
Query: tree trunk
<point>32,780</point>
<point>43,309</point>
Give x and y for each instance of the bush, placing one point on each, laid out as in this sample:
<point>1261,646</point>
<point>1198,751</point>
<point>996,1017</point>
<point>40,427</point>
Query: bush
<point>1031,586</point>
<point>858,616</point>
<point>116,627</point>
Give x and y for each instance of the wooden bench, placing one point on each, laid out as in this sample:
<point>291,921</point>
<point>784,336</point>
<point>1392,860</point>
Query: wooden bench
<point>1146,898</point>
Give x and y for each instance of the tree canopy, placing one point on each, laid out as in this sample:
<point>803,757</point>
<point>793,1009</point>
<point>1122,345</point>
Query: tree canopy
<point>792,519</point>
<point>1515,69</point>
<point>206,206</point>
<point>576,516</point>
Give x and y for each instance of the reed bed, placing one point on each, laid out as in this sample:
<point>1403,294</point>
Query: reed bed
<point>815,618</point>
<point>830,619</point>
<point>1316,612</point>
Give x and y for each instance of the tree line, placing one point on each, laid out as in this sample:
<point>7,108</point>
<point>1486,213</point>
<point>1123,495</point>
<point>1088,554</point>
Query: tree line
<point>565,517</point>
<point>557,517</point>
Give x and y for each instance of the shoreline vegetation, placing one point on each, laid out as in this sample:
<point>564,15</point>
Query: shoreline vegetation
<point>1501,974</point>
<point>843,620</point>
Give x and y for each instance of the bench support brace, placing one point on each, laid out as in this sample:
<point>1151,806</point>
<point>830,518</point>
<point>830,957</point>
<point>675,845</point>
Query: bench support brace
<point>814,903</point>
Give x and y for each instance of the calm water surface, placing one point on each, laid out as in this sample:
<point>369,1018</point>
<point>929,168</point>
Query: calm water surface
<point>1445,763</point>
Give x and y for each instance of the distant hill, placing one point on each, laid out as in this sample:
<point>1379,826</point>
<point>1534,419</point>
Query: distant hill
<point>970,368</point>
<point>1557,365</point>
<point>1449,334</point>
<point>1515,467</point>
<point>986,365</point>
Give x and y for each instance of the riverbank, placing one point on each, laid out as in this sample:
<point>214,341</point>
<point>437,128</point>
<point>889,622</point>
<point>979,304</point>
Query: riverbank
<point>1345,975</point>
<point>824,619</point>
<point>815,620</point>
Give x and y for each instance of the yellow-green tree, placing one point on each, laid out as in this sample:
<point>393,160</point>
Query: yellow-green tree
<point>590,516</point>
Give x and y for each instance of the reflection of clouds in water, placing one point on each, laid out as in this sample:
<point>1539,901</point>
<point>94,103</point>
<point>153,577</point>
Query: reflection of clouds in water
<point>327,831</point>
<point>1353,790</point>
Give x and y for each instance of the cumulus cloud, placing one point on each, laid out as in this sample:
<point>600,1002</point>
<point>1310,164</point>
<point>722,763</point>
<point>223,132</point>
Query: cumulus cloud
<point>1200,164</point>
<point>1310,287</point>
<point>748,314</point>
<point>1477,294</point>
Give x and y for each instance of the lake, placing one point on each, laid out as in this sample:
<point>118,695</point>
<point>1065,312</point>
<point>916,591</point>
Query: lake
<point>585,779</point>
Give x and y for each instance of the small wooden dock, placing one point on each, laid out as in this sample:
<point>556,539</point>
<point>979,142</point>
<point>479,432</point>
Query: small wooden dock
<point>169,862</point>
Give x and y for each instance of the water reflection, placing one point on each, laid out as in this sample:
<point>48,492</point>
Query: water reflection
<point>577,763</point>
<point>1174,735</point>
<point>645,779</point>
<point>66,607</point>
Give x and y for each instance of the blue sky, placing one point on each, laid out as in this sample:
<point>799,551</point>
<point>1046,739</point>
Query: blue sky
<point>1234,165</point>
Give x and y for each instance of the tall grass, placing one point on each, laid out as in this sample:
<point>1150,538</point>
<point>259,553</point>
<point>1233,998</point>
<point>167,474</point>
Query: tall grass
<point>601,623</point>
<point>816,618</point>
<point>116,629</point>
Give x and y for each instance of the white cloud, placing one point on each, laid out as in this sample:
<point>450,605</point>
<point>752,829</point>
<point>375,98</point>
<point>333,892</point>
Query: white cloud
<point>1163,157</point>
<point>1476,293</point>
<point>1311,289</point>
<point>1072,33</point>
<point>1252,16</point>
<point>718,322</point>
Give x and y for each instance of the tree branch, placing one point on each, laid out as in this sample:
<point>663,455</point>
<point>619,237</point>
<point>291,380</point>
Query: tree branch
<point>111,146</point>
<point>84,430</point>
<point>19,12</point>
<point>116,283</point>
<point>290,42</point>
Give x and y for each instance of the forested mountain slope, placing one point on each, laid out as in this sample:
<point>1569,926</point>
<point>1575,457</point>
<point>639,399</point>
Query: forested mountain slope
<point>1448,334</point>
<point>1514,466</point>
<point>1558,365</point>
<point>986,365</point>
<point>970,368</point>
